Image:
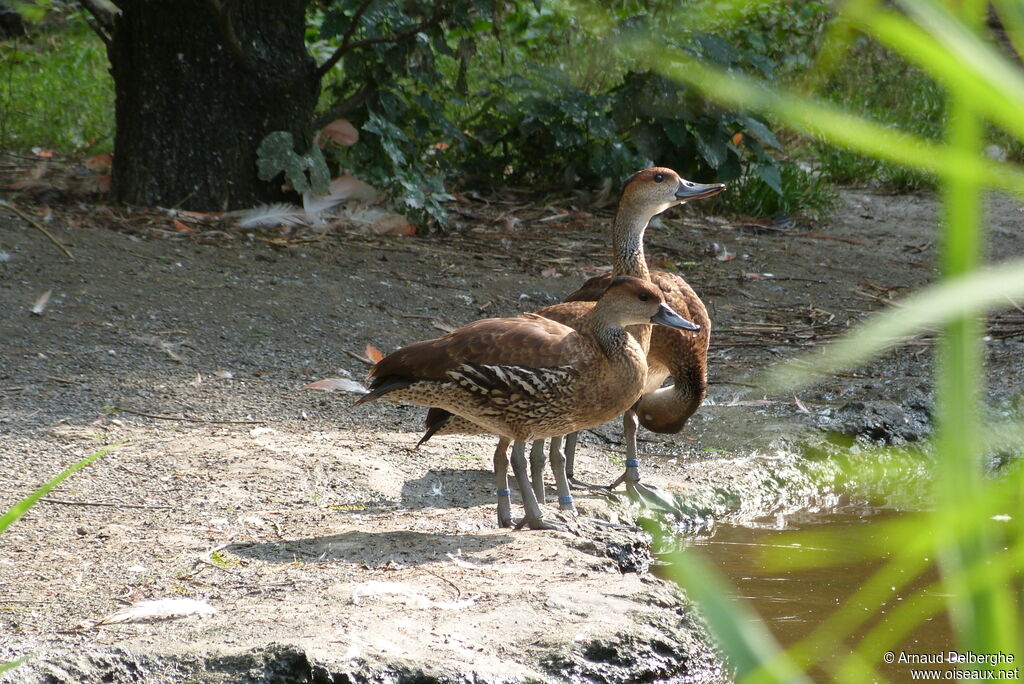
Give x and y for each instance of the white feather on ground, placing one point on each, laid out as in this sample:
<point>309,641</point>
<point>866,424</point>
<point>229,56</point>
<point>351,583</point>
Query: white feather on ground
<point>161,608</point>
<point>332,384</point>
<point>269,215</point>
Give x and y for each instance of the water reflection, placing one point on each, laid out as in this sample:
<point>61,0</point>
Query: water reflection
<point>793,602</point>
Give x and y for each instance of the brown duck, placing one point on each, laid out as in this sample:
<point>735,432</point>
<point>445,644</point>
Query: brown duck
<point>672,353</point>
<point>531,377</point>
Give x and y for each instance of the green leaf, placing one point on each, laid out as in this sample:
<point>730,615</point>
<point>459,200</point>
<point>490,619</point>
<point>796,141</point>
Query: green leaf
<point>306,172</point>
<point>760,130</point>
<point>19,509</point>
<point>769,173</point>
<point>10,665</point>
<point>712,149</point>
<point>33,12</point>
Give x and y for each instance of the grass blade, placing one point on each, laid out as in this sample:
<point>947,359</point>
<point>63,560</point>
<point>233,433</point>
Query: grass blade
<point>19,509</point>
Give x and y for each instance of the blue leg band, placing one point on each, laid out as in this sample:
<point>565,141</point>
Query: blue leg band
<point>565,499</point>
<point>632,463</point>
<point>504,492</point>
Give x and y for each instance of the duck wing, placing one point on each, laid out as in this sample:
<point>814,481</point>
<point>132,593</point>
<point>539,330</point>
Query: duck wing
<point>528,340</point>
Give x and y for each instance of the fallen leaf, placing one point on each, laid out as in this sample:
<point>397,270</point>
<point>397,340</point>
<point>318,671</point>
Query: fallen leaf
<point>336,384</point>
<point>550,272</point>
<point>182,227</point>
<point>100,161</point>
<point>41,302</point>
<point>340,132</point>
<point>40,152</point>
<point>394,224</point>
<point>737,139</point>
<point>374,354</point>
<point>224,374</point>
<point>378,221</point>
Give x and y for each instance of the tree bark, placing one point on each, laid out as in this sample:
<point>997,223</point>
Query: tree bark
<point>199,83</point>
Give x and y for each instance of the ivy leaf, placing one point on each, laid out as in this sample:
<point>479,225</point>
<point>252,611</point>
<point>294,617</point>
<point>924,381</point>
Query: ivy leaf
<point>306,172</point>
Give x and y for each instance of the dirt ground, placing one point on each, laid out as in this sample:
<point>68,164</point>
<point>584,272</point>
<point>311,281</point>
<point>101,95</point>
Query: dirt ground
<point>329,548</point>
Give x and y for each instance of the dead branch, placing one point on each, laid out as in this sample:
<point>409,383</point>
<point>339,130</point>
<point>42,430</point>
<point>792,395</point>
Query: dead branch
<point>103,503</point>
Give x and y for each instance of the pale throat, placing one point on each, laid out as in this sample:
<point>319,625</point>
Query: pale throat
<point>628,248</point>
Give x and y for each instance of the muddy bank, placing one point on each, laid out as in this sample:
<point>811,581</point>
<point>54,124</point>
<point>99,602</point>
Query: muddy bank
<point>329,547</point>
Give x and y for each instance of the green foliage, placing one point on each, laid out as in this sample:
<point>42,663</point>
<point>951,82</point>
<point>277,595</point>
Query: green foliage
<point>56,91</point>
<point>527,93</point>
<point>808,193</point>
<point>537,128</point>
<point>306,172</point>
<point>877,84</point>
<point>396,93</point>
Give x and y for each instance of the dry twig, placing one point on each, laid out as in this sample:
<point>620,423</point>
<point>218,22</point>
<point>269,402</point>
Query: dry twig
<point>35,224</point>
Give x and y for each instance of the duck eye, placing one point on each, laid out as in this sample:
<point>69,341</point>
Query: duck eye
<point>643,296</point>
<point>658,177</point>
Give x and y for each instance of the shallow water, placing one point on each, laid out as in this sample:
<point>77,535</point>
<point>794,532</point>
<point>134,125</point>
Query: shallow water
<point>793,603</point>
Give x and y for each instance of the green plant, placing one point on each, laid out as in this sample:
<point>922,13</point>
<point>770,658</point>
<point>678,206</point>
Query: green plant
<point>55,90</point>
<point>975,529</point>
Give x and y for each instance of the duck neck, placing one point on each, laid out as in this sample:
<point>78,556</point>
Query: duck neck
<point>628,244</point>
<point>612,339</point>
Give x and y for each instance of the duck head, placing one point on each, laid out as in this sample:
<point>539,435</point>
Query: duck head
<point>652,191</point>
<point>632,301</point>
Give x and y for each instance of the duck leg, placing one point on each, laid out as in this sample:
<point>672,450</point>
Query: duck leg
<point>501,484</point>
<point>558,461</point>
<point>631,477</point>
<point>533,517</point>
<point>537,460</point>
<point>648,494</point>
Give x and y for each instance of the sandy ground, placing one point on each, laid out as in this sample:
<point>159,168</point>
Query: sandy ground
<point>331,549</point>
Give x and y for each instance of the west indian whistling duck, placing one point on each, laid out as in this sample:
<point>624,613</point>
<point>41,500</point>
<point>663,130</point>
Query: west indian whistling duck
<point>672,353</point>
<point>531,377</point>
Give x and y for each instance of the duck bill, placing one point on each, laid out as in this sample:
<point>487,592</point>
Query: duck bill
<point>688,190</point>
<point>666,316</point>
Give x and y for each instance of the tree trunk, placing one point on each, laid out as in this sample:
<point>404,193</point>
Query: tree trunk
<point>198,89</point>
